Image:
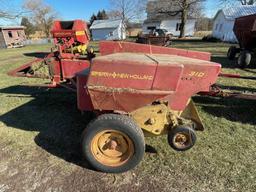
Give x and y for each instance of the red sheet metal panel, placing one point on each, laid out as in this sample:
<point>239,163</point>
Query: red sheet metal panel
<point>195,79</point>
<point>71,67</point>
<point>84,100</point>
<point>128,81</point>
<point>123,70</point>
<point>109,47</point>
<point>245,31</point>
<point>167,77</point>
<point>122,100</point>
<point>76,29</point>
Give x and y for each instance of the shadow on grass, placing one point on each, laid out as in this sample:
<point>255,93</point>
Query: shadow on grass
<point>52,113</point>
<point>250,71</point>
<point>39,55</point>
<point>239,89</point>
<point>233,109</point>
<point>226,63</point>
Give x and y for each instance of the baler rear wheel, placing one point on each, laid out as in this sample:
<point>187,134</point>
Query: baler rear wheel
<point>113,143</point>
<point>182,138</point>
<point>244,59</point>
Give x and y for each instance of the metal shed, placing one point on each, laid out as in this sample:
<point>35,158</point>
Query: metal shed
<point>108,30</point>
<point>224,21</point>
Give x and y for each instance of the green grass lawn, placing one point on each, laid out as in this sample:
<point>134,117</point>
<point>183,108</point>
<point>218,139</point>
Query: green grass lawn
<point>40,133</point>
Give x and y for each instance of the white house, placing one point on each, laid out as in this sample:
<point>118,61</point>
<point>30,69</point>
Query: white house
<point>172,25</point>
<point>159,18</point>
<point>223,22</point>
<point>108,30</point>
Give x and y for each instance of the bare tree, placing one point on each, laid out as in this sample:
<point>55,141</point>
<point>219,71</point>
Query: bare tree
<point>127,10</point>
<point>7,11</point>
<point>243,2</point>
<point>184,8</point>
<point>42,14</point>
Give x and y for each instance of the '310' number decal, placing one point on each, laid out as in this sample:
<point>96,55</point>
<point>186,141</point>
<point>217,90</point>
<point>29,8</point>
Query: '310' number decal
<point>196,74</point>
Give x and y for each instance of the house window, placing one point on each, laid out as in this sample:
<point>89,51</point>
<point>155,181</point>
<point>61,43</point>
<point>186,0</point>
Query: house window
<point>10,34</point>
<point>221,25</point>
<point>151,28</point>
<point>111,34</point>
<point>178,26</point>
<point>216,27</point>
<point>18,33</point>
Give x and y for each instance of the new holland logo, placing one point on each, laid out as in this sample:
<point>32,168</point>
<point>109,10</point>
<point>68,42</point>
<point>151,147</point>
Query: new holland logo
<point>115,75</point>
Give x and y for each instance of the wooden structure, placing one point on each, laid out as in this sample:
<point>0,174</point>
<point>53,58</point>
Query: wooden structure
<point>12,36</point>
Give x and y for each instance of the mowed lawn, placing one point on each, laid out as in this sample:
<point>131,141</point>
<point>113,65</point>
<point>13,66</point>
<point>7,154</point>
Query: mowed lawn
<point>40,138</point>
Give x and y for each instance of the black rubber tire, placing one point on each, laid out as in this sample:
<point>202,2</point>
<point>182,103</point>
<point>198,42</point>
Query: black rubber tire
<point>90,52</point>
<point>119,123</point>
<point>244,59</point>
<point>182,129</point>
<point>232,51</point>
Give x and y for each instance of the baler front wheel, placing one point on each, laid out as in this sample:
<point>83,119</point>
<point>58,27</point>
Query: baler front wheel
<point>182,138</point>
<point>113,143</point>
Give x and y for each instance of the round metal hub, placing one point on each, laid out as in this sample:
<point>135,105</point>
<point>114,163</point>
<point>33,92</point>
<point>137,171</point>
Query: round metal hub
<point>112,148</point>
<point>182,140</point>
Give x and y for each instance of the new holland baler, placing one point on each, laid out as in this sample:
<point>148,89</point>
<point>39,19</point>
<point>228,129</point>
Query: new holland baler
<point>136,90</point>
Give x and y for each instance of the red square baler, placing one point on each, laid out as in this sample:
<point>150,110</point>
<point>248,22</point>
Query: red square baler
<point>136,90</point>
<point>140,90</point>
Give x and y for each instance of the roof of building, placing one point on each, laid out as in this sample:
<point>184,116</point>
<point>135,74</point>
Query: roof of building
<point>12,27</point>
<point>232,13</point>
<point>105,24</point>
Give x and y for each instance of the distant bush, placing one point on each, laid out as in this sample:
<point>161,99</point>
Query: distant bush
<point>202,33</point>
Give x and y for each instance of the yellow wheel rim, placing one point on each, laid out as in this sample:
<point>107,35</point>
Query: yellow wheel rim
<point>182,140</point>
<point>112,148</point>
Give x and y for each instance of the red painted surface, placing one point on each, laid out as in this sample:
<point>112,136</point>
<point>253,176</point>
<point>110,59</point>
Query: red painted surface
<point>71,67</point>
<point>109,47</point>
<point>73,29</point>
<point>83,97</point>
<point>245,31</point>
<point>63,63</point>
<point>18,72</point>
<point>126,77</point>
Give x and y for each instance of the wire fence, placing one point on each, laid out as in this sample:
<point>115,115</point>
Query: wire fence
<point>37,41</point>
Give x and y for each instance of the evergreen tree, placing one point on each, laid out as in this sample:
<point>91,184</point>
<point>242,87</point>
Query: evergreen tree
<point>93,18</point>
<point>104,14</point>
<point>99,15</point>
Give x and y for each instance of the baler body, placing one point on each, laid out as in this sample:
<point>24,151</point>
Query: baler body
<point>136,91</point>
<point>129,76</point>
